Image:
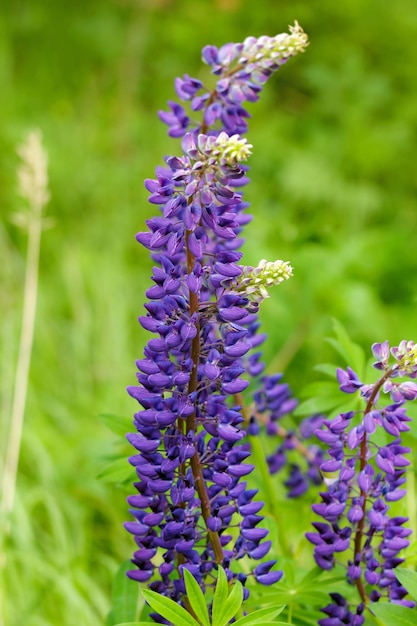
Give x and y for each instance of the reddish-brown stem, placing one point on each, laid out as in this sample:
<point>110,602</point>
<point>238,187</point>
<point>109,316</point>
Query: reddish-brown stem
<point>362,464</point>
<point>213,94</point>
<point>191,424</point>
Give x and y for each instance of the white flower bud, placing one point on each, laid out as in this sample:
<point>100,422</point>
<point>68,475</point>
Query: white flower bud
<point>266,50</point>
<point>255,281</point>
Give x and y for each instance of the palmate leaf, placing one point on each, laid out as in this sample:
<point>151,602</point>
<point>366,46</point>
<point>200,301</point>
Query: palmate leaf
<point>118,424</point>
<point>350,351</point>
<point>226,606</point>
<point>261,616</point>
<point>220,594</point>
<point>311,588</point>
<point>328,369</point>
<point>275,624</point>
<point>394,614</point>
<point>317,405</point>
<point>196,597</point>
<point>311,576</point>
<point>136,624</point>
<point>408,579</point>
<point>169,609</point>
<point>322,388</point>
<point>302,617</point>
<point>124,595</point>
<point>118,471</point>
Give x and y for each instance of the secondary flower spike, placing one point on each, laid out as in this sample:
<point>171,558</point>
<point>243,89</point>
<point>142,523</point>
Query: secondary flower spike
<point>369,475</point>
<point>189,457</point>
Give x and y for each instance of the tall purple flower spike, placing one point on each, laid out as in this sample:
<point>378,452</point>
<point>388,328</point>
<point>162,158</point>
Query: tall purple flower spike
<point>202,310</point>
<point>368,477</point>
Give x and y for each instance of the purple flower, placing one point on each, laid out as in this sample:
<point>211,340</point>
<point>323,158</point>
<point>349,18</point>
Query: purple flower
<point>349,380</point>
<point>338,612</point>
<point>189,458</point>
<point>367,477</point>
<point>241,70</point>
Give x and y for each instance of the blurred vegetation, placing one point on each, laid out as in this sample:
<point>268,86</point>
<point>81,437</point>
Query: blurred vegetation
<point>334,191</point>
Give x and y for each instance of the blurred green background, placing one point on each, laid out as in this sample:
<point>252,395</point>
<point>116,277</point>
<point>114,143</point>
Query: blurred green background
<point>333,191</point>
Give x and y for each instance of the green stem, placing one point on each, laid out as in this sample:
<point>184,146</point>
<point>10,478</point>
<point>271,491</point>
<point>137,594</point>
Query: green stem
<point>22,368</point>
<point>411,500</point>
<point>290,613</point>
<point>269,491</point>
<point>21,383</point>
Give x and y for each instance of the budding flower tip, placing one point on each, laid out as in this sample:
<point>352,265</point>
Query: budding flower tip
<point>300,37</point>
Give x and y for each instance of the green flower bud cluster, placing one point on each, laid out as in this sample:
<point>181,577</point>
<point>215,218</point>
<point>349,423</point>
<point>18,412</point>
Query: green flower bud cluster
<point>227,150</point>
<point>255,281</point>
<point>264,50</point>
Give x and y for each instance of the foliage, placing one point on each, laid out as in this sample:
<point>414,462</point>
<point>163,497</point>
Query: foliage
<point>334,192</point>
<point>226,603</point>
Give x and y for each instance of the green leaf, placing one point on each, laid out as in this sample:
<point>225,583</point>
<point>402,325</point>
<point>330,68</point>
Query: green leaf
<point>230,607</point>
<point>136,624</point>
<point>394,614</point>
<point>311,576</point>
<point>196,597</point>
<point>316,405</point>
<point>118,471</point>
<point>120,425</point>
<point>275,624</point>
<point>323,388</point>
<point>259,616</point>
<point>408,579</point>
<point>301,617</point>
<point>124,595</point>
<point>350,351</point>
<point>308,596</point>
<point>169,609</point>
<point>327,368</point>
<point>220,594</point>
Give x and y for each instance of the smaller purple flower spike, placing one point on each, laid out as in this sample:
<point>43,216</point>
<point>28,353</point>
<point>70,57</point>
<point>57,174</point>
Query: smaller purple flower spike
<point>296,452</point>
<point>241,69</point>
<point>367,476</point>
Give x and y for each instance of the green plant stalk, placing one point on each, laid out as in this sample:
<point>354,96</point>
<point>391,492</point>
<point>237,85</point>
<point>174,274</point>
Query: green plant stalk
<point>411,500</point>
<point>21,383</point>
<point>23,366</point>
<point>259,460</point>
<point>269,489</point>
<point>290,613</point>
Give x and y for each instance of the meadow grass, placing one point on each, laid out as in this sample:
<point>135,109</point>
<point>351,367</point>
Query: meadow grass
<point>333,191</point>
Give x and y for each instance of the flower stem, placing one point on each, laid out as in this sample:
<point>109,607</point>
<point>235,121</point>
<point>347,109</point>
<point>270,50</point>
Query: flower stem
<point>362,464</point>
<point>191,425</point>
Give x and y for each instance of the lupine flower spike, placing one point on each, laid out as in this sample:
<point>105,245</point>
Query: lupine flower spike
<point>355,509</point>
<point>202,310</point>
